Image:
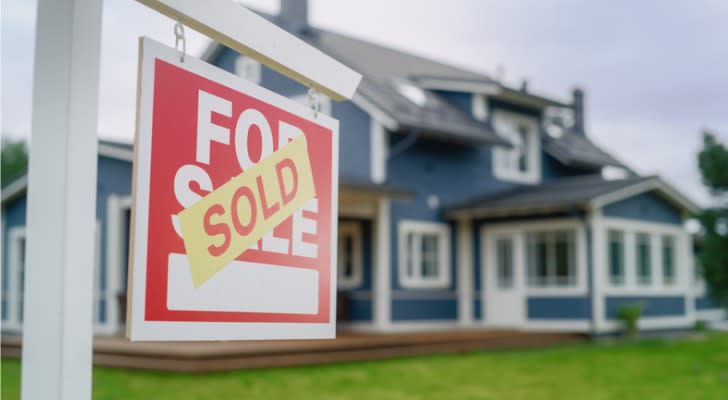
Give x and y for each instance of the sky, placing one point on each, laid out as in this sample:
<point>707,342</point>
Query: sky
<point>655,72</point>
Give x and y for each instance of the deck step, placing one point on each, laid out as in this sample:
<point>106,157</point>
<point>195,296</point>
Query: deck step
<point>112,351</point>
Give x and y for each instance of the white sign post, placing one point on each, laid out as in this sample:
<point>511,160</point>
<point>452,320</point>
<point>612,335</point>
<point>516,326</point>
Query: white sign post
<point>57,330</point>
<point>57,334</point>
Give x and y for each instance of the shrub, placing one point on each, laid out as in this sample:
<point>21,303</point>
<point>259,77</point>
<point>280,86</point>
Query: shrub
<point>629,314</point>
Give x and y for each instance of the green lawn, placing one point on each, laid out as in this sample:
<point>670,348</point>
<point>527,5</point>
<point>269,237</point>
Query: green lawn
<point>655,369</point>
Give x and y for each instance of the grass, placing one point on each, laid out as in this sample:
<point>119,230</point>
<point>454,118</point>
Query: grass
<point>653,369</point>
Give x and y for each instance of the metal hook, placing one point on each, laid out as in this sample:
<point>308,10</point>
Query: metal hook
<point>313,101</point>
<point>179,36</point>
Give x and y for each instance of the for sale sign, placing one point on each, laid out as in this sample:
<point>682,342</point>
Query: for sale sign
<point>234,208</point>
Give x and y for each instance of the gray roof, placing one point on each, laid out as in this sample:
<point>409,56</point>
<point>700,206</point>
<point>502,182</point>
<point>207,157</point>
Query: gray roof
<point>558,195</point>
<point>575,149</point>
<point>384,68</point>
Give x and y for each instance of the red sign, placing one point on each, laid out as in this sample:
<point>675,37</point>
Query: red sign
<point>234,213</point>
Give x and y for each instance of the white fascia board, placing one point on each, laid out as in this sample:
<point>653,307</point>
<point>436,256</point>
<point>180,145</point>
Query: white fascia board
<point>486,88</point>
<point>116,152</point>
<point>651,184</point>
<point>14,189</point>
<point>250,34</point>
<point>375,112</point>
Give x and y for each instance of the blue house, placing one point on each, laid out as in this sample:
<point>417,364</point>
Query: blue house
<point>464,203</point>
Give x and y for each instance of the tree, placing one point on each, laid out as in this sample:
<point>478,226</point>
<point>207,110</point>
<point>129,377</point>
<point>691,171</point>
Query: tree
<point>14,160</point>
<point>713,164</point>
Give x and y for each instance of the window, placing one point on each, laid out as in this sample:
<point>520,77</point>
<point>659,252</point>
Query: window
<point>504,251</point>
<point>349,255</point>
<point>616,257</point>
<point>521,162</point>
<point>643,261</point>
<point>551,258</point>
<point>668,260</point>
<point>13,288</point>
<point>424,254</point>
<point>247,68</point>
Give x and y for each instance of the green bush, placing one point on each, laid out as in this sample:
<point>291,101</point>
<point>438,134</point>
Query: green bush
<point>701,326</point>
<point>629,314</point>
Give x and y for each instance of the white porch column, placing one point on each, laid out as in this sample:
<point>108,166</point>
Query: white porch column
<point>57,334</point>
<point>465,271</point>
<point>599,269</point>
<point>381,301</point>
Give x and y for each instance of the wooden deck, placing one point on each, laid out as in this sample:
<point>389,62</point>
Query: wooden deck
<point>114,351</point>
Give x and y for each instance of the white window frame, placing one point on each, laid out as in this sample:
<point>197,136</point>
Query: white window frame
<point>663,239</point>
<point>503,123</point>
<point>116,206</point>
<point>552,269</point>
<point>623,258</point>
<point>519,230</point>
<point>248,68</point>
<point>682,258</point>
<point>352,229</point>
<point>13,295</point>
<point>442,231</point>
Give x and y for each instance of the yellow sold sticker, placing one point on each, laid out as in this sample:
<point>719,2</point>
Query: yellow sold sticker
<point>229,220</point>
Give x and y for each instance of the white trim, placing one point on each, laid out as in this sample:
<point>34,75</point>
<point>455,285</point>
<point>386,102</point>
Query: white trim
<point>467,86</point>
<point>558,325</point>
<point>115,152</point>
<point>443,279</point>
<point>654,183</point>
<point>98,326</point>
<point>479,107</point>
<point>382,304</point>
<point>598,235</point>
<point>248,33</point>
<point>519,229</point>
<point>375,112</point>
<point>682,258</point>
<point>353,229</point>
<point>503,124</point>
<point>711,315</point>
<point>13,298</point>
<point>379,151</point>
<point>115,240</point>
<point>465,263</point>
<point>15,188</point>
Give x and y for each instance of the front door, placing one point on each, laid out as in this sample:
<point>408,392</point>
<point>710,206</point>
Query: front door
<point>503,276</point>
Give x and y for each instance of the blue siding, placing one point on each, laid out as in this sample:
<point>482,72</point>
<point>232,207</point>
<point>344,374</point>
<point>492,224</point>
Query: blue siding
<point>354,140</point>
<point>477,309</point>
<point>645,207</point>
<point>360,310</point>
<point>559,307</point>
<point>654,306</point>
<point>426,309</point>
<point>706,303</point>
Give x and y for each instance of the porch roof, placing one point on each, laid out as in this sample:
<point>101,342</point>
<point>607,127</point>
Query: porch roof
<point>367,186</point>
<point>566,194</point>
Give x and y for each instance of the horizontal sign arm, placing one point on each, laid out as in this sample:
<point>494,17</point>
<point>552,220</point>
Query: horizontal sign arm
<point>252,35</point>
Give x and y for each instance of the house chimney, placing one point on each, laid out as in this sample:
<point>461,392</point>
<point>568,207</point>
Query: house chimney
<point>294,15</point>
<point>578,106</point>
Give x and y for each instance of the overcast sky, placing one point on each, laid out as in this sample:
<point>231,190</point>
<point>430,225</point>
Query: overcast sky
<point>655,72</point>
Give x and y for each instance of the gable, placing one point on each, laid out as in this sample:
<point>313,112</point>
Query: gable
<point>647,206</point>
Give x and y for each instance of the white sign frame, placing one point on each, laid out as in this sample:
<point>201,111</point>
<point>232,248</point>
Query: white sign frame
<point>137,327</point>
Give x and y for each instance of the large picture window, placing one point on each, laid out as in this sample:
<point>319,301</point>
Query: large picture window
<point>551,258</point>
<point>521,162</point>
<point>504,250</point>
<point>424,254</point>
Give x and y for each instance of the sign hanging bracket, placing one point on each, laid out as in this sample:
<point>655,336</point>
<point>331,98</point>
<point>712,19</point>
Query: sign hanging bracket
<point>179,38</point>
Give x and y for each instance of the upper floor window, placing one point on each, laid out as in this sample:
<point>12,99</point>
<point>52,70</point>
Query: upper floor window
<point>247,68</point>
<point>350,255</point>
<point>522,162</point>
<point>424,255</point>
<point>551,258</point>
